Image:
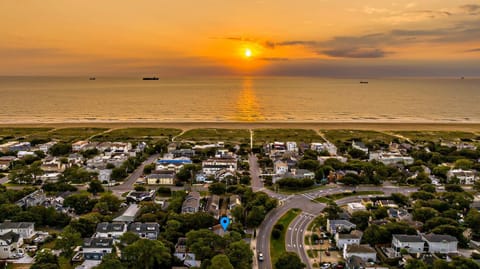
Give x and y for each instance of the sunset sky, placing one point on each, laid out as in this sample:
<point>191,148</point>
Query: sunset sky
<point>211,37</point>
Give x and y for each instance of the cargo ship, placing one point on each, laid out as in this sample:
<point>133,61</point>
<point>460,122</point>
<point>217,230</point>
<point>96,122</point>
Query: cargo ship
<point>150,78</point>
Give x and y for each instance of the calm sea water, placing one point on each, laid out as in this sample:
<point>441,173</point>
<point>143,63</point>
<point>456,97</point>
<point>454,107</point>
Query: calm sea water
<point>31,100</point>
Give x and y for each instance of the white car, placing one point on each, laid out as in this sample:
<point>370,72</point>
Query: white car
<point>260,256</point>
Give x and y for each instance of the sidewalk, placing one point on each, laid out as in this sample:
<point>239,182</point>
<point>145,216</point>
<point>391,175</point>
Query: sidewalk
<point>253,246</point>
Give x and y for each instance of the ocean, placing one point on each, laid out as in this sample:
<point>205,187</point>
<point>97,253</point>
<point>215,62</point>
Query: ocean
<point>250,99</point>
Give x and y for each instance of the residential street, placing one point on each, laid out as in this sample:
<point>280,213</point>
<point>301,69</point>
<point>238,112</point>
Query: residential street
<point>127,185</point>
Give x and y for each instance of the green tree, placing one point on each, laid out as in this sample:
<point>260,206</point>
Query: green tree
<point>360,218</point>
<point>255,216</point>
<point>218,188</point>
<point>415,264</point>
<point>110,261</point>
<point>95,186</point>
<point>424,213</point>
<point>60,149</point>
<point>68,240</point>
<point>45,260</point>
<point>129,238</point>
<point>289,260</point>
<point>81,203</point>
<point>220,261</point>
<point>240,255</point>
<point>146,254</point>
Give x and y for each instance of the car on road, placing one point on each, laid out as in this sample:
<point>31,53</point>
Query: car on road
<point>327,252</point>
<point>260,256</point>
<point>325,265</point>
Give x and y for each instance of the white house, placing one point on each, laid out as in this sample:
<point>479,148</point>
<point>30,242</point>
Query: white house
<point>443,244</point>
<point>280,167</point>
<point>360,146</point>
<point>355,207</point>
<point>389,158</point>
<point>25,229</point>
<point>292,147</point>
<point>104,175</point>
<point>164,177</point>
<point>412,243</point>
<point>213,165</point>
<point>364,252</point>
<point>191,203</point>
<point>467,177</point>
<point>96,248</point>
<point>9,245</point>
<point>353,238</point>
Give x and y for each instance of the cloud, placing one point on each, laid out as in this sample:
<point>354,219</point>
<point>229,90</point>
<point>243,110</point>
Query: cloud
<point>273,59</point>
<point>30,52</point>
<point>471,9</point>
<point>473,50</point>
<point>355,53</point>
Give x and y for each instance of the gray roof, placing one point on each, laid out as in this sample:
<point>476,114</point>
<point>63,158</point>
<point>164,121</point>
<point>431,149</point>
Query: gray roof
<point>192,200</point>
<point>439,238</point>
<point>341,222</point>
<point>97,243</point>
<point>149,227</point>
<point>10,237</point>
<point>408,238</point>
<point>16,225</point>
<point>105,227</point>
<point>360,249</point>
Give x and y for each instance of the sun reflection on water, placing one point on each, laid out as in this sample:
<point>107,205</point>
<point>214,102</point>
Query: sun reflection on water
<point>248,108</point>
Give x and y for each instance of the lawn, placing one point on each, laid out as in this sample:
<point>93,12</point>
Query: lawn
<point>135,134</point>
<point>262,136</point>
<point>211,135</point>
<point>436,135</point>
<point>277,246</point>
<point>338,196</point>
<point>309,189</point>
<point>339,136</point>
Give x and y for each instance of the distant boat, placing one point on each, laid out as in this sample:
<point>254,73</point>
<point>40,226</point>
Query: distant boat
<point>151,78</point>
<point>462,78</point>
<point>92,78</point>
<point>363,82</point>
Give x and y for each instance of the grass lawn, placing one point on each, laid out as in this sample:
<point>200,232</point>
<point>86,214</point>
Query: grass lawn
<point>211,135</point>
<point>261,136</point>
<point>436,135</point>
<point>338,196</point>
<point>339,136</point>
<point>312,188</point>
<point>134,134</point>
<point>277,246</point>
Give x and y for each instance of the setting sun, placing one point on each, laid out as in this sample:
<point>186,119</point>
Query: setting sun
<point>248,53</point>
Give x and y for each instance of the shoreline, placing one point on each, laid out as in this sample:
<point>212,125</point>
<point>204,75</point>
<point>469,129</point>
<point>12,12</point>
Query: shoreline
<point>374,126</point>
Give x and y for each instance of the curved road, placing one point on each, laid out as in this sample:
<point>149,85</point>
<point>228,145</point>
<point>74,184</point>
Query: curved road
<point>310,209</point>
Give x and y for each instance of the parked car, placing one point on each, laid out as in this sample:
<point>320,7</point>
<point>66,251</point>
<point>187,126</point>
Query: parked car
<point>327,253</point>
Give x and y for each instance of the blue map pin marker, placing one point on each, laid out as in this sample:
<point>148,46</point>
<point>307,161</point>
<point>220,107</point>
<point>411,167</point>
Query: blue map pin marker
<point>225,222</point>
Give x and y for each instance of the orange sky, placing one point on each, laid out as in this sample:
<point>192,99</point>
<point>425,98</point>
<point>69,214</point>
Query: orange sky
<point>209,37</point>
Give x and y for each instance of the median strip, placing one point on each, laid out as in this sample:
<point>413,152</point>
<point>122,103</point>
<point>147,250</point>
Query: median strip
<point>277,239</point>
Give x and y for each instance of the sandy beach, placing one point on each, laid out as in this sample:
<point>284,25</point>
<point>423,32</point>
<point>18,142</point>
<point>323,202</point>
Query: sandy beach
<point>374,126</point>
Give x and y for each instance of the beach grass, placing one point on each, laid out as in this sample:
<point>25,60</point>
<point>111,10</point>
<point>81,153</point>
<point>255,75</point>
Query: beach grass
<point>135,134</point>
<point>340,136</point>
<point>69,134</point>
<point>435,136</point>
<point>277,246</point>
<point>262,136</point>
<point>13,133</point>
<point>211,135</point>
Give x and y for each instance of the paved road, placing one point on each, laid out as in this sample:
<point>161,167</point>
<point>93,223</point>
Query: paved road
<point>295,236</point>
<point>127,185</point>
<point>256,183</point>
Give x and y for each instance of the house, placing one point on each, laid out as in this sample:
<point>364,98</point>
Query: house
<point>191,203</point>
<point>439,243</point>
<point>110,230</point>
<point>356,262</point>
<point>213,165</point>
<point>188,258</point>
<point>75,158</point>
<point>386,203</point>
<point>364,252</point>
<point>322,159</point>
<point>389,158</point>
<point>96,248</point>
<point>129,214</point>
<point>189,153</point>
<point>234,202</point>
<point>400,214</point>
<point>148,230</point>
<point>467,177</point>
<point>213,205</point>
<point>46,147</point>
<point>5,162</point>
<point>174,164</point>
<point>292,147</point>
<point>355,207</point>
<point>23,153</point>
<point>413,244</point>
<point>35,198</point>
<point>280,167</point>
<point>161,177</point>
<point>9,244</point>
<point>79,146</point>
<point>359,146</point>
<point>334,226</point>
<point>352,238</point>
<point>104,175</point>
<point>25,229</point>
<point>329,147</point>
<point>140,196</point>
